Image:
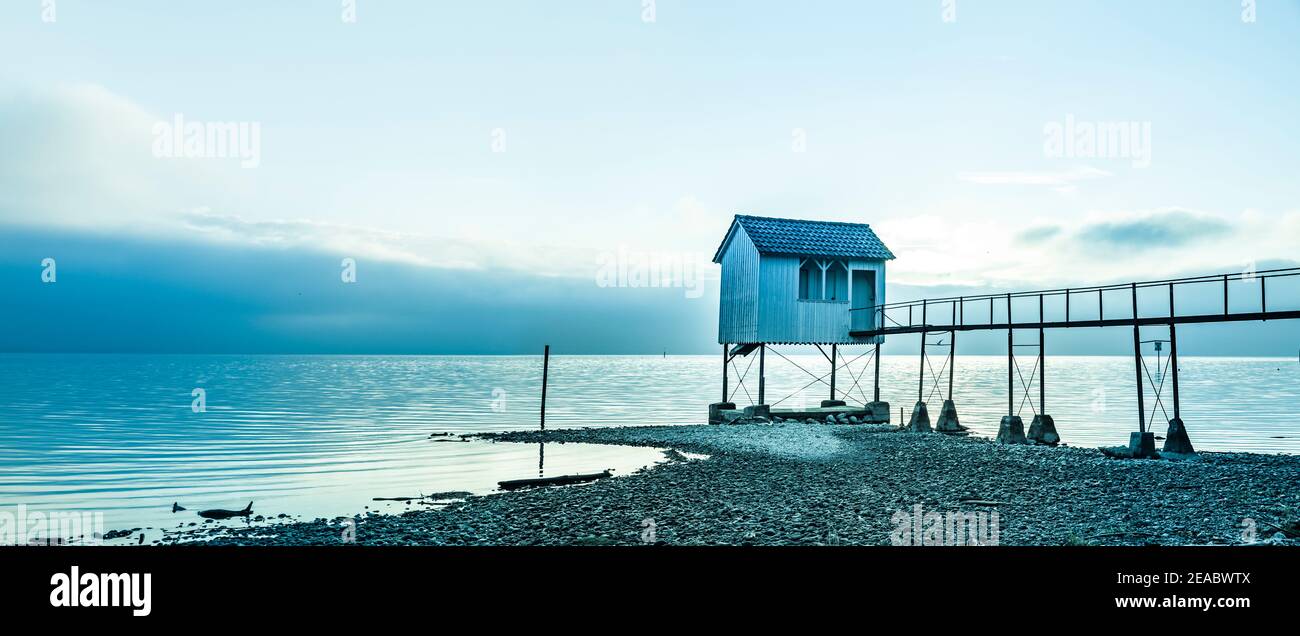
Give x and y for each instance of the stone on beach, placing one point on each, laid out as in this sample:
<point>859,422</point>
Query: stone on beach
<point>788,485</point>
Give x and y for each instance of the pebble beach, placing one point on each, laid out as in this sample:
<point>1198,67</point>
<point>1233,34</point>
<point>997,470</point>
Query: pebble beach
<point>795,483</point>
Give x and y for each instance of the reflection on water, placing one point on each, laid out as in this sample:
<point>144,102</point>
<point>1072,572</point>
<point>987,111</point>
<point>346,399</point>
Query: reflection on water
<point>322,435</point>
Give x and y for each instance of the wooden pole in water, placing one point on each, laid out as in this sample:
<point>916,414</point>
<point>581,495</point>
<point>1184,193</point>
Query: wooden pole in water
<point>546,367</point>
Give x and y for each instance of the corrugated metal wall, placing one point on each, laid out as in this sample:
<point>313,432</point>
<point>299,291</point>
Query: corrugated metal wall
<point>760,300</point>
<point>738,309</point>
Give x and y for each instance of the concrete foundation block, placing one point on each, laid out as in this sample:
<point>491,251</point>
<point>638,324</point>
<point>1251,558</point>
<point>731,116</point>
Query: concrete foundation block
<point>716,409</point>
<point>879,413</point>
<point>1011,430</point>
<point>1176,440</point>
<point>920,422</point>
<point>758,410</point>
<point>1043,431</point>
<point>948,422</point>
<point>830,403</point>
<point>1142,445</point>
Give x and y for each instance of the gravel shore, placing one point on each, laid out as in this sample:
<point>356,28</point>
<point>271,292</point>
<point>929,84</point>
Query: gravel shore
<point>803,484</point>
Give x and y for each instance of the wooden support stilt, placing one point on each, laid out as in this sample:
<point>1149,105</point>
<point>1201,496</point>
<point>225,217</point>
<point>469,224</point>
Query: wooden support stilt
<point>762,374</point>
<point>725,392</point>
<point>833,353</point>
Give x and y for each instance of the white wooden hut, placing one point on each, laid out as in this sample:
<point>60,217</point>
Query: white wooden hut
<point>788,281</point>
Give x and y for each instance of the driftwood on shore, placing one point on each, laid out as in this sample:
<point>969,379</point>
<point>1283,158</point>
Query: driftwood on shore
<point>219,513</point>
<point>514,484</point>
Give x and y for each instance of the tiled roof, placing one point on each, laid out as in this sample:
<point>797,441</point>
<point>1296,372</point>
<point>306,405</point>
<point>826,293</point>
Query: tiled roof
<point>810,238</point>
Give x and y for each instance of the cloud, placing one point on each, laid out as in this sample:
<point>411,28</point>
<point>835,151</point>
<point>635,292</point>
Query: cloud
<point>1037,234</point>
<point>80,157</point>
<point>1166,228</point>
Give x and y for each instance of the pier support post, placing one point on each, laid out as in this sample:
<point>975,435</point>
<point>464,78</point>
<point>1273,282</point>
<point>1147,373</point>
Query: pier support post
<point>948,421</point>
<point>1137,367</point>
<point>1011,373</point>
<point>876,395</point>
<point>762,374</point>
<point>1176,439</point>
<point>879,410</point>
<point>920,382</point>
<point>1141,443</point>
<point>952,359</point>
<point>920,422</point>
<point>1011,430</point>
<point>1043,429</point>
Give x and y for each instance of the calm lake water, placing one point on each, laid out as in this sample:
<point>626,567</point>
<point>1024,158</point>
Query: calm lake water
<point>323,435</point>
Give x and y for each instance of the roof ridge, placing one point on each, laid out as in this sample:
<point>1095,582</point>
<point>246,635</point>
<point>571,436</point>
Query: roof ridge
<point>781,218</point>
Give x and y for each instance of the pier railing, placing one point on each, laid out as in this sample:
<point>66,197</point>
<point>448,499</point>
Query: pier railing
<point>1114,305</point>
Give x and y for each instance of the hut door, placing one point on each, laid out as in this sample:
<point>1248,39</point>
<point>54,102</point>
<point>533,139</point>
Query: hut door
<point>864,298</point>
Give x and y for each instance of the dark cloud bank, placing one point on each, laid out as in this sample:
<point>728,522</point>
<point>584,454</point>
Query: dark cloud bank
<point>135,295</point>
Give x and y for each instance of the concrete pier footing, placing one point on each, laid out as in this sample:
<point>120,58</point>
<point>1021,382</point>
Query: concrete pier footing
<point>1142,445</point>
<point>920,422</point>
<point>830,403</point>
<point>758,410</point>
<point>879,412</point>
<point>1011,430</point>
<point>948,422</point>
<point>1043,431</point>
<point>716,409</point>
<point>1176,440</point>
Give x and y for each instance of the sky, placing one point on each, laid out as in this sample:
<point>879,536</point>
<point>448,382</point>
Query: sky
<point>486,165</point>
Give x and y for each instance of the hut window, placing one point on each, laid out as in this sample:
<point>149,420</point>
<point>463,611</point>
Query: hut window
<point>837,283</point>
<point>810,281</point>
